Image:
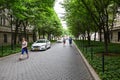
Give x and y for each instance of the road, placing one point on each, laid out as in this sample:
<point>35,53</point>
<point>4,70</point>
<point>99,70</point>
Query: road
<point>57,63</point>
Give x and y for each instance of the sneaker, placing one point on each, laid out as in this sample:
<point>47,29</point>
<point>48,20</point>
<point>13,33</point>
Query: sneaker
<point>27,55</point>
<point>20,58</point>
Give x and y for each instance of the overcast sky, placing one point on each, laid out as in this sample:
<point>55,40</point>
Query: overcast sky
<point>59,10</point>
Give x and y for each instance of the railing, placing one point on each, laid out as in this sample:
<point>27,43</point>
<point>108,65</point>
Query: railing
<point>7,50</point>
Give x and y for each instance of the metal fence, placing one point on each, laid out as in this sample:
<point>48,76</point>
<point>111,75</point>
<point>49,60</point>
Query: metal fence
<point>10,49</point>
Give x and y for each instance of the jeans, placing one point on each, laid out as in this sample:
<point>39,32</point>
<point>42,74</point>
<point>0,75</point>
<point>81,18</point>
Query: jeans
<point>24,50</point>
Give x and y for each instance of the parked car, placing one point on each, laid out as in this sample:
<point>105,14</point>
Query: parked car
<point>41,44</point>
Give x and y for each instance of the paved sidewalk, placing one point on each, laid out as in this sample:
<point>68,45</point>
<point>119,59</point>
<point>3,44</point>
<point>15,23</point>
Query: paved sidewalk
<point>57,63</point>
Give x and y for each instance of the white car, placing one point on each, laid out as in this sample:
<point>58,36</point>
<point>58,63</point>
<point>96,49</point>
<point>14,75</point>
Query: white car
<point>41,44</point>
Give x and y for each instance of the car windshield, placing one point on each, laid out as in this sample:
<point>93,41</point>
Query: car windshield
<point>40,41</point>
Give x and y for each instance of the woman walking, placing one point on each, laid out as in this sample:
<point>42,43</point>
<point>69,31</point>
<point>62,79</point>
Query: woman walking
<point>24,48</point>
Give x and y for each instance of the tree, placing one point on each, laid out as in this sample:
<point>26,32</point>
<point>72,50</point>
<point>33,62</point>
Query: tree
<point>38,13</point>
<point>91,16</point>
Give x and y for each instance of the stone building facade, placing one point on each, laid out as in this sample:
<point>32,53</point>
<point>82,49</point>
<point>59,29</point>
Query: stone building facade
<point>7,30</point>
<point>116,30</point>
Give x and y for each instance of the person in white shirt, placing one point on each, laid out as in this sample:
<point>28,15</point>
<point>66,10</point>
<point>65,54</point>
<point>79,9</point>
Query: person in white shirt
<point>24,48</point>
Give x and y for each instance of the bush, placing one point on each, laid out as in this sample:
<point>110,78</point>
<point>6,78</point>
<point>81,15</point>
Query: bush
<point>112,58</point>
<point>53,41</point>
<point>6,49</point>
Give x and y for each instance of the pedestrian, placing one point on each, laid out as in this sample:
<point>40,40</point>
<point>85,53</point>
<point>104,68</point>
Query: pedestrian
<point>70,41</point>
<point>64,41</point>
<point>24,48</point>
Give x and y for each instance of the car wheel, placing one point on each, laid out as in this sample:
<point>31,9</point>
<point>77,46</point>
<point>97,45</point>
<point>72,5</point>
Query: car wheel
<point>50,46</point>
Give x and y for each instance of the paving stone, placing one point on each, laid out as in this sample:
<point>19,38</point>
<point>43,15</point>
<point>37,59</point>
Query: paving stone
<point>57,63</point>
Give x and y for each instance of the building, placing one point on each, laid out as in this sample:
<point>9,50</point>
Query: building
<point>7,30</point>
<point>116,29</point>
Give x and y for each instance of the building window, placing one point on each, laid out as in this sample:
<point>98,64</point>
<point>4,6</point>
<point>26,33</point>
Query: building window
<point>5,38</point>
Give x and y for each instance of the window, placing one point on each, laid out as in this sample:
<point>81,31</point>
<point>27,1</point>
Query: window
<point>5,38</point>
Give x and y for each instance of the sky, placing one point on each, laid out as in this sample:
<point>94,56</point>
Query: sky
<point>60,10</point>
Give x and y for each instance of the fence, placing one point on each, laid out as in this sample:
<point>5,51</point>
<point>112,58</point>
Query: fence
<point>10,49</point>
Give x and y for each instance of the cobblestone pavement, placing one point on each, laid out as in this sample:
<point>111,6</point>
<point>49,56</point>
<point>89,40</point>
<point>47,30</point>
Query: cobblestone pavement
<point>57,63</point>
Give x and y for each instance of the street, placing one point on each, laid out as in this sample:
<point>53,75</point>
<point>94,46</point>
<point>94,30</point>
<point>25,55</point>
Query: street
<point>57,63</point>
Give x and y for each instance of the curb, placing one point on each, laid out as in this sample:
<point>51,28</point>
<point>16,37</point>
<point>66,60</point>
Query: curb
<point>6,57</point>
<point>91,70</point>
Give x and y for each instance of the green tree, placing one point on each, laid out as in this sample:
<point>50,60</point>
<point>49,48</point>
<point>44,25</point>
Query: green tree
<point>37,13</point>
<point>86,16</point>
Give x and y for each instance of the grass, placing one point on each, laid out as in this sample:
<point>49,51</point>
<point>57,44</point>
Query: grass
<point>94,56</point>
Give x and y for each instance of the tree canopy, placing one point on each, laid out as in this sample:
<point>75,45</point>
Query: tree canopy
<point>86,16</point>
<point>37,13</point>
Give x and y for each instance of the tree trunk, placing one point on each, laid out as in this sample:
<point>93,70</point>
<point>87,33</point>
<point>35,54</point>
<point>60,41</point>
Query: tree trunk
<point>25,32</point>
<point>39,33</point>
<point>105,41</point>
<point>108,35</point>
<point>89,39</point>
<point>107,28</point>
<point>95,37</point>
<point>34,35</point>
<point>18,22</point>
<point>100,34</point>
<point>49,36</point>
<point>25,25</point>
<point>43,35</point>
